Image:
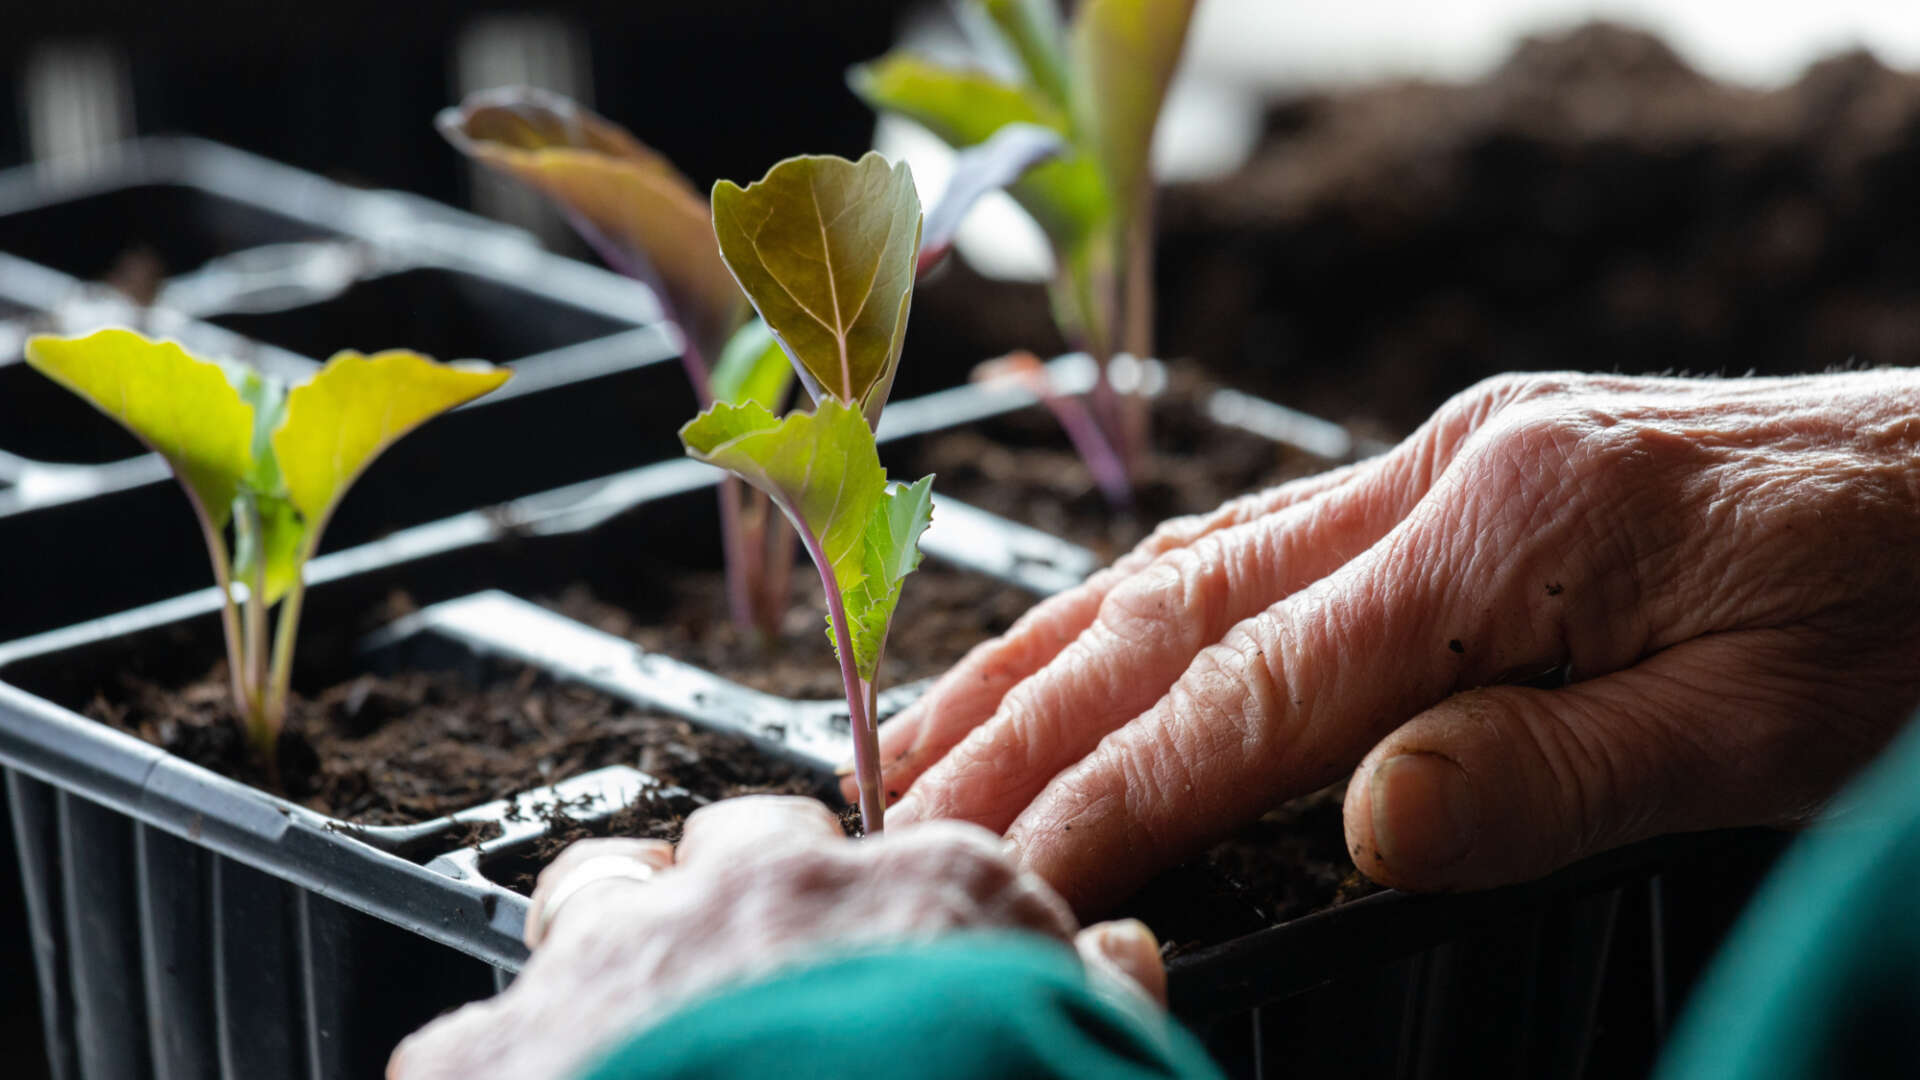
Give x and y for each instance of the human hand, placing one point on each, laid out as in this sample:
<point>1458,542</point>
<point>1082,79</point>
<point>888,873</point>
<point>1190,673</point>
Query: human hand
<point>756,884</point>
<point>1728,571</point>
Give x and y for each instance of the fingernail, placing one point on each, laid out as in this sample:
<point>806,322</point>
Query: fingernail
<point>1423,813</point>
<point>1122,935</point>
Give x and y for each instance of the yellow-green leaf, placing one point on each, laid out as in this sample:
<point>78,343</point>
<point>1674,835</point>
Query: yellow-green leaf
<point>753,367</point>
<point>825,249</point>
<point>820,468</point>
<point>630,202</point>
<point>964,108</point>
<point>1124,53</point>
<point>342,419</point>
<point>182,407</point>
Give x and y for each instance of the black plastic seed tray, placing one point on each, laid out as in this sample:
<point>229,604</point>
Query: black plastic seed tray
<point>1393,971</point>
<point>119,841</point>
<point>280,268</point>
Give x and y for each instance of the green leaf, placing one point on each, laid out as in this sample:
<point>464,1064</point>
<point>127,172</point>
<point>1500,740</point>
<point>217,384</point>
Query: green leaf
<point>753,367</point>
<point>276,546</point>
<point>890,550</point>
<point>268,399</point>
<point>820,468</point>
<point>1124,53</point>
<point>1067,196</point>
<point>630,202</point>
<point>342,418</point>
<point>1033,28</point>
<point>182,407</point>
<point>825,249</point>
<point>977,170</point>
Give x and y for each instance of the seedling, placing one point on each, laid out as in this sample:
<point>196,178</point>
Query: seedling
<point>826,250</point>
<point>1099,83</point>
<point>646,220</point>
<point>272,462</point>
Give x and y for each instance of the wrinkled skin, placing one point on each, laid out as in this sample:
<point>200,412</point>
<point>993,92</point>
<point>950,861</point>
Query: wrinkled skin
<point>1726,570</point>
<point>756,884</point>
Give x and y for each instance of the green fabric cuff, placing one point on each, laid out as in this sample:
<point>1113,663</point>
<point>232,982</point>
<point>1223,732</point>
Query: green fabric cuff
<point>1822,975</point>
<point>963,1007</point>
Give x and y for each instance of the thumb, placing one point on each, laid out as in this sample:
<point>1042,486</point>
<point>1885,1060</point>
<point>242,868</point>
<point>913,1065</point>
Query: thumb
<point>1505,784</point>
<point>1127,953</point>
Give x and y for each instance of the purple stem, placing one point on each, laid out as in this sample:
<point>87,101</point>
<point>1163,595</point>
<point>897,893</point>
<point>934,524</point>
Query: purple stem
<point>733,541</point>
<point>1082,425</point>
<point>1091,443</point>
<point>738,556</point>
<point>866,741</point>
<point>634,264</point>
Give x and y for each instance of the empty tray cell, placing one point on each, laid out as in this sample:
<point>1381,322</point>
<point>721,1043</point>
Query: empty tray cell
<point>41,421</point>
<point>446,314</point>
<point>146,230</point>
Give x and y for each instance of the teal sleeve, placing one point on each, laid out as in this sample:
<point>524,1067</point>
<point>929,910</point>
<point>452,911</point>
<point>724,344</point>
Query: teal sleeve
<point>966,1007</point>
<point>1822,975</point>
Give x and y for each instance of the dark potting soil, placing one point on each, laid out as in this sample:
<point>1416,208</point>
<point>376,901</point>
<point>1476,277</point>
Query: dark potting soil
<point>1022,467</point>
<point>943,612</point>
<point>1592,204</point>
<point>402,748</point>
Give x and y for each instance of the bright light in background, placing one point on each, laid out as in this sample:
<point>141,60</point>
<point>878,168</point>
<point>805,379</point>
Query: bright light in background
<point>1240,53</point>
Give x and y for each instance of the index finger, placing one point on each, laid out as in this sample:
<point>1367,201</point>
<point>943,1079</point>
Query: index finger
<point>971,691</point>
<point>1467,589</point>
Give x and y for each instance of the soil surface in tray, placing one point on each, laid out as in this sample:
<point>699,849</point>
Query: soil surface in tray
<point>1022,467</point>
<point>410,746</point>
<point>943,612</point>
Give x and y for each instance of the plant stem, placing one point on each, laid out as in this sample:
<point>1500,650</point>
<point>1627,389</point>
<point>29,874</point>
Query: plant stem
<point>229,611</point>
<point>1104,460</point>
<point>776,579</point>
<point>285,633</point>
<point>738,555</point>
<point>634,264</point>
<point>866,742</point>
<point>1137,334</point>
<point>255,613</point>
<point>253,648</point>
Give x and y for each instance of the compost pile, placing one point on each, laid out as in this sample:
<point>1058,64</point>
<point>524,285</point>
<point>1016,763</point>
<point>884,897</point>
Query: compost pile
<point>1594,204</point>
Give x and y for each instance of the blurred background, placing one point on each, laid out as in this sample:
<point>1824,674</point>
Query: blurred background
<point>1367,205</point>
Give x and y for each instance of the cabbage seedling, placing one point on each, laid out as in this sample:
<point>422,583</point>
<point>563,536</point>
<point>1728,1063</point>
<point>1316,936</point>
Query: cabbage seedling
<point>1098,82</point>
<point>272,462</point>
<point>646,220</point>
<point>826,250</point>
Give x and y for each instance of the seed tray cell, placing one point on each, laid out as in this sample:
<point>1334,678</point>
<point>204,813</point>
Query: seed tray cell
<point>444,313</point>
<point>177,226</point>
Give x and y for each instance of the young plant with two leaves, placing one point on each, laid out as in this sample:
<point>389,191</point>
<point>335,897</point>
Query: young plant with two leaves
<point>1098,82</point>
<point>826,250</point>
<point>268,462</point>
<point>646,220</point>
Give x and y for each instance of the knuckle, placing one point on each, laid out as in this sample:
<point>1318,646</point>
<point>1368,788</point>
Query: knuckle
<point>1227,704</point>
<point>1168,599</point>
<point>1178,532</point>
